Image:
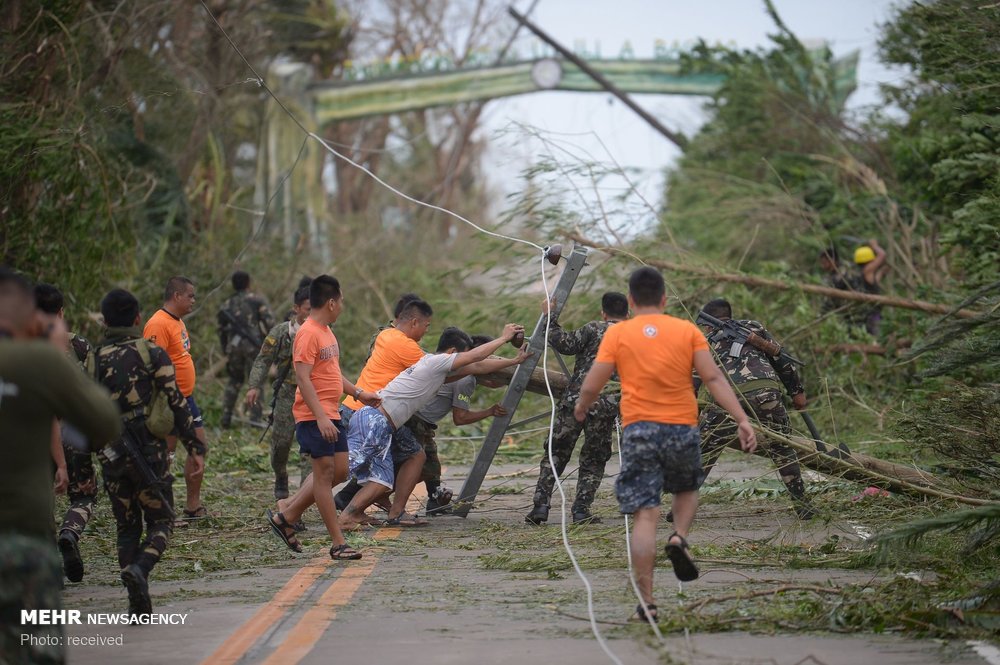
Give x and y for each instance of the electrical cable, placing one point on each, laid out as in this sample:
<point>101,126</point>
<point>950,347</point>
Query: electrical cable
<point>562,493</point>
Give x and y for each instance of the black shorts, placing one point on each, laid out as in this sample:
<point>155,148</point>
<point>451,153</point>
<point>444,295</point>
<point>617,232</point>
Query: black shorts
<point>312,443</point>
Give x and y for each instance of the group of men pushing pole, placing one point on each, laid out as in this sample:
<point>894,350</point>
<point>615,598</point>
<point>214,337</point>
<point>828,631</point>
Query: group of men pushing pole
<point>381,437</point>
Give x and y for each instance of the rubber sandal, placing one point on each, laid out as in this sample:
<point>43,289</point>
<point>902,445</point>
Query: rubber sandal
<point>344,553</point>
<point>406,520</point>
<point>281,527</point>
<point>647,614</point>
<point>196,514</point>
<point>680,557</point>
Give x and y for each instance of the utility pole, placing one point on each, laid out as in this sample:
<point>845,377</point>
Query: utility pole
<point>601,80</point>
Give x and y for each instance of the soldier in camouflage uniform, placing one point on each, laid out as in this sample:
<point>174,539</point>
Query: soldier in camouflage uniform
<point>82,488</point>
<point>597,427</point>
<point>277,350</point>
<point>244,319</point>
<point>757,379</point>
<point>130,367</point>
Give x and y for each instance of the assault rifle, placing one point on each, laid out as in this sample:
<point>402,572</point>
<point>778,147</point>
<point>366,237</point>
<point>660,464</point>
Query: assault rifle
<point>275,389</point>
<point>240,328</point>
<point>131,441</point>
<point>741,335</point>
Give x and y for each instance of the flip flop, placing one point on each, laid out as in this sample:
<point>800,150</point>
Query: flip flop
<point>646,614</point>
<point>344,553</point>
<point>406,520</point>
<point>680,556</point>
<point>281,527</point>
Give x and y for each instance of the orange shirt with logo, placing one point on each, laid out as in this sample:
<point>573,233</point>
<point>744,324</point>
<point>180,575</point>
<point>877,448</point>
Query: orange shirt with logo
<point>393,353</point>
<point>316,345</point>
<point>169,333</point>
<point>654,355</point>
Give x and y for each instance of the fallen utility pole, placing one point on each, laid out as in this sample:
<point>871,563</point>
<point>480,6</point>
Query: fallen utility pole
<point>764,282</point>
<point>601,80</point>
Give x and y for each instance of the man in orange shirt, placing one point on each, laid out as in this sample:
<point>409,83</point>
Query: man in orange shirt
<point>166,329</point>
<point>396,348</point>
<point>654,355</point>
<point>318,426</point>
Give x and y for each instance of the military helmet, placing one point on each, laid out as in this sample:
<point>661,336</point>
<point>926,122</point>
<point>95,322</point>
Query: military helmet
<point>864,254</point>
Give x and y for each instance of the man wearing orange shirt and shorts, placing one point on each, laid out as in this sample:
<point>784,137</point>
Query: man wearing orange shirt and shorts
<point>318,426</point>
<point>654,355</point>
<point>166,329</point>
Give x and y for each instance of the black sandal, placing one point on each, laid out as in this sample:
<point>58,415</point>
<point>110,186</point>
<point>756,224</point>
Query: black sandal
<point>284,530</point>
<point>344,553</point>
<point>647,614</point>
<point>680,556</point>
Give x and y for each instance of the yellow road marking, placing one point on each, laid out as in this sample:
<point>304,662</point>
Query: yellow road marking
<point>304,635</point>
<point>237,644</point>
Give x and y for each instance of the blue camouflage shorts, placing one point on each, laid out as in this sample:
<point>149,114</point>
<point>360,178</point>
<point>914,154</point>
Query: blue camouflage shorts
<point>657,458</point>
<point>369,437</point>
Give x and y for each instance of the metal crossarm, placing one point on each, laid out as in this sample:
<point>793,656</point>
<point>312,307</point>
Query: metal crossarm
<point>518,384</point>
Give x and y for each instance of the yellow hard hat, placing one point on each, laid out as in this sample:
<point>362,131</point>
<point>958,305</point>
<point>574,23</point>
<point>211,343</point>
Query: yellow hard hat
<point>864,254</point>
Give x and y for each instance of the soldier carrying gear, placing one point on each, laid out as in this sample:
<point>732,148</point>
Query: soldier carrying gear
<point>134,369</point>
<point>598,425</point>
<point>758,379</point>
<point>82,488</point>
<point>277,350</point>
<point>244,319</point>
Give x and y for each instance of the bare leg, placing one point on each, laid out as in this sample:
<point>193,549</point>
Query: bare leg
<point>293,507</point>
<point>409,476</point>
<point>327,472</point>
<point>355,511</point>
<point>684,507</point>
<point>645,521</point>
<point>191,481</point>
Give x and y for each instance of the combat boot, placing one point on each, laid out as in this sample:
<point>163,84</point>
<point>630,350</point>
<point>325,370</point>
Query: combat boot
<point>227,420</point>
<point>70,550</point>
<point>584,516</point>
<point>134,579</point>
<point>538,515</point>
<point>281,486</point>
<point>800,502</point>
<point>439,502</point>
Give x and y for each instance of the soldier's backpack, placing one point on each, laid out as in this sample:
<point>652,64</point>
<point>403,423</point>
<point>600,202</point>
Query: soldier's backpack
<point>158,416</point>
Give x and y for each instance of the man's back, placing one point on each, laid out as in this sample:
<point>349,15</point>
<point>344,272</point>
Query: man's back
<point>37,384</point>
<point>244,319</point>
<point>654,356</point>
<point>416,386</point>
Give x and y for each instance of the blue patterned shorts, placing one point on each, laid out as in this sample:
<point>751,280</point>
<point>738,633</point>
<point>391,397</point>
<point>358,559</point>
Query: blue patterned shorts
<point>657,458</point>
<point>369,436</point>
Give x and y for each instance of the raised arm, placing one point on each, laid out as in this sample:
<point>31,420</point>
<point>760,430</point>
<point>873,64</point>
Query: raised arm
<point>486,350</point>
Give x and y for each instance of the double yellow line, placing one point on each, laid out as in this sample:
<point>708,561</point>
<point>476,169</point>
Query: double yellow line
<point>304,635</point>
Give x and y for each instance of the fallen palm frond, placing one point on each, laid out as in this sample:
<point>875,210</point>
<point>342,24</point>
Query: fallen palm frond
<point>985,518</point>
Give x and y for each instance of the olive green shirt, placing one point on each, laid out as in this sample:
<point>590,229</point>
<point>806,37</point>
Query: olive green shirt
<point>38,383</point>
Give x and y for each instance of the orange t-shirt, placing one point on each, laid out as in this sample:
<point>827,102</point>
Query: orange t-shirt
<point>316,345</point>
<point>393,353</point>
<point>654,356</point>
<point>169,333</point>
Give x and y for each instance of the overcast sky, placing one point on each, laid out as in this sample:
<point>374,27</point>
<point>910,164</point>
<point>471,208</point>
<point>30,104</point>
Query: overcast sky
<point>845,24</point>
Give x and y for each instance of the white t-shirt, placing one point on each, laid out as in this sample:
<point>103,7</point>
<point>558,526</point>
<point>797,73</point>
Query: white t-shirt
<point>416,386</point>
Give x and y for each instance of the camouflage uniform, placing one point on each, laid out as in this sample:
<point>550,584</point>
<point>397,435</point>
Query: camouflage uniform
<point>277,350</point>
<point>29,580</point>
<point>756,377</point>
<point>82,490</point>
<point>596,428</point>
<point>120,368</point>
<point>243,320</point>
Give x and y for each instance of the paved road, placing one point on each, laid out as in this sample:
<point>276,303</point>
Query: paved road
<point>422,596</point>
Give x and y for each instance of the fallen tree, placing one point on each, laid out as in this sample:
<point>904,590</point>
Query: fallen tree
<point>764,282</point>
<point>856,467</point>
